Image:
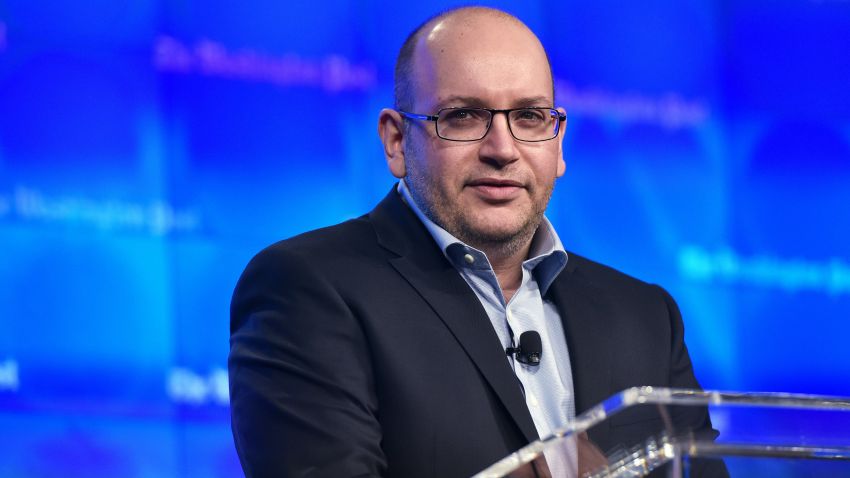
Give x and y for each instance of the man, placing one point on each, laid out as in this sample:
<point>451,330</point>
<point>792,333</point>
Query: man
<point>377,347</point>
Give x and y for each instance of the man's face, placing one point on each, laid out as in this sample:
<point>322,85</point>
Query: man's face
<point>492,191</point>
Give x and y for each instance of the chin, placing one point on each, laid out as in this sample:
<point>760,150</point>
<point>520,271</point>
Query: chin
<point>497,234</point>
<point>503,225</point>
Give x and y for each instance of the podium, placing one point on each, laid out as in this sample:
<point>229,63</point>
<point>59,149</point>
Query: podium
<point>754,435</point>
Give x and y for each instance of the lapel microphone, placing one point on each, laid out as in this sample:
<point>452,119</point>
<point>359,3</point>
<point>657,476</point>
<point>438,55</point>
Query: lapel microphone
<point>529,349</point>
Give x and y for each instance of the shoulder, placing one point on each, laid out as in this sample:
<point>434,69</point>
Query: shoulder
<point>620,299</point>
<point>603,277</point>
<point>343,256</point>
<point>325,263</point>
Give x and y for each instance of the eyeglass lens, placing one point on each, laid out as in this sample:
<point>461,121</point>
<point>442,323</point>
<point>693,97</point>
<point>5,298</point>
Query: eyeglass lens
<point>469,124</point>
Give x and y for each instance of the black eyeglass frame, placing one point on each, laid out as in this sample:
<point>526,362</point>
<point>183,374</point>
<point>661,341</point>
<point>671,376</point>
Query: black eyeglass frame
<point>435,118</point>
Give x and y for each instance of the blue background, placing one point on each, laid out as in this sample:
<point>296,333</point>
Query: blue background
<point>148,149</point>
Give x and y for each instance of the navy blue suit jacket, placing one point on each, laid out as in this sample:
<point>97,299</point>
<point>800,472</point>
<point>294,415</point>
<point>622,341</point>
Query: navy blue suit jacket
<point>358,350</point>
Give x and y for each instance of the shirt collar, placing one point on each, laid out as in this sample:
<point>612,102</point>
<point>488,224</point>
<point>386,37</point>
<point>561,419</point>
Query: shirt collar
<point>547,257</point>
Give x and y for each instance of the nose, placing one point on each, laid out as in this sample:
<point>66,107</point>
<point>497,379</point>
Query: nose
<point>499,146</point>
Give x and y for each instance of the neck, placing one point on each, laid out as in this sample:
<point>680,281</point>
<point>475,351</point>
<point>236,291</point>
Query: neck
<point>506,260</point>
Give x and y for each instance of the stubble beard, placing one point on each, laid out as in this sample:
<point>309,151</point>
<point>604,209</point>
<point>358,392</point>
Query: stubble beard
<point>447,214</point>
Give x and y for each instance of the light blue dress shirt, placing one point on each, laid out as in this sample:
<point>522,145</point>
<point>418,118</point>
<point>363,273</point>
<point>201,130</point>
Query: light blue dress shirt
<point>548,387</point>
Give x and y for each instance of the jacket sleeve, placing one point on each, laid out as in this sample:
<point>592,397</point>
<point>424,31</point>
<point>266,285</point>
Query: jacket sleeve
<point>302,391</point>
<point>681,368</point>
<point>682,376</point>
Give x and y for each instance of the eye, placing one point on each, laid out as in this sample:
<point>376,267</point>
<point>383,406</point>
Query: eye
<point>529,116</point>
<point>457,114</point>
<point>454,119</point>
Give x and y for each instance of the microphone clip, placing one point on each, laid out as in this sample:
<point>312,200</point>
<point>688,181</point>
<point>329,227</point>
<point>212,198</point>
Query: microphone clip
<point>529,349</point>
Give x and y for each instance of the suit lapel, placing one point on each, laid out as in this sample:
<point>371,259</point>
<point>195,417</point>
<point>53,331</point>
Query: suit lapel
<point>584,325</point>
<point>583,314</point>
<point>423,265</point>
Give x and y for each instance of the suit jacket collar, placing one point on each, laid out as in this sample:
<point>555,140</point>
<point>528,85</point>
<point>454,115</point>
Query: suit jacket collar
<point>420,261</point>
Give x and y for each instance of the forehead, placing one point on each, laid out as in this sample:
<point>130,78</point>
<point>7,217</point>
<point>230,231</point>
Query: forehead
<point>495,60</point>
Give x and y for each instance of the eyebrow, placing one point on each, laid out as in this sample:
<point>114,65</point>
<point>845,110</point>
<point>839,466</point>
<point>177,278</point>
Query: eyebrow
<point>475,102</point>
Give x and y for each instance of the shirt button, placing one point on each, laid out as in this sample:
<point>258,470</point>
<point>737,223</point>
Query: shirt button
<point>468,258</point>
<point>509,314</point>
<point>532,401</point>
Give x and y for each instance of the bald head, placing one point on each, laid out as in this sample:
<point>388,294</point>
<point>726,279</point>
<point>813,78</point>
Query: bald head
<point>451,30</point>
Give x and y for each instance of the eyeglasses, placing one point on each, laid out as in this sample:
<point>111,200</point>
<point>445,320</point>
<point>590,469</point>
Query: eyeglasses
<point>472,124</point>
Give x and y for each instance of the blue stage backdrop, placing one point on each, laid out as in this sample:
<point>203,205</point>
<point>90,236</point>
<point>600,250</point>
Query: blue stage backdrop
<point>148,149</point>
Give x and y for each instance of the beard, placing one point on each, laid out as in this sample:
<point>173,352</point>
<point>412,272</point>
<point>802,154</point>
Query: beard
<point>472,227</point>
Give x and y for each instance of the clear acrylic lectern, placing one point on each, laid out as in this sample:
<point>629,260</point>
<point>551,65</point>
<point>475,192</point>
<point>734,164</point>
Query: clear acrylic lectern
<point>760,435</point>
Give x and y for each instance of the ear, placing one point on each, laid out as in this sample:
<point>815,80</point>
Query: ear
<point>562,165</point>
<point>391,131</point>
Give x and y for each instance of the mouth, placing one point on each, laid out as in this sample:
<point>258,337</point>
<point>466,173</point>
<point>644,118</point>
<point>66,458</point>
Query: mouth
<point>496,190</point>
